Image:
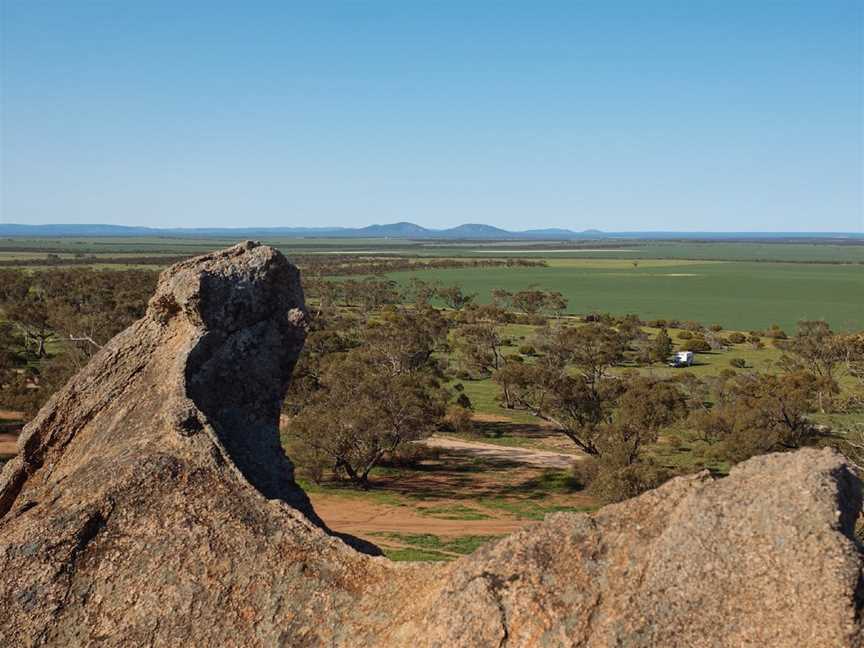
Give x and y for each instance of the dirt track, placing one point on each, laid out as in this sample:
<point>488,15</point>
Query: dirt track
<point>9,439</point>
<point>492,452</point>
<point>8,444</point>
<point>363,518</point>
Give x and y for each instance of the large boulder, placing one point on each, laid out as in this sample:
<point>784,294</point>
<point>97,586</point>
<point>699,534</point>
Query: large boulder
<point>151,504</point>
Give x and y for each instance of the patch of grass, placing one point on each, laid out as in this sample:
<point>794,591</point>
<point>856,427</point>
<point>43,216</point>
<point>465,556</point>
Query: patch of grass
<point>682,452</point>
<point>348,491</point>
<point>496,437</point>
<point>414,555</point>
<point>484,394</point>
<point>455,512</point>
<point>529,509</point>
<point>462,545</point>
<point>553,481</point>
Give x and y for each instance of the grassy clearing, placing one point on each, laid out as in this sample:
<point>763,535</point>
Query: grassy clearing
<point>460,487</point>
<point>530,509</point>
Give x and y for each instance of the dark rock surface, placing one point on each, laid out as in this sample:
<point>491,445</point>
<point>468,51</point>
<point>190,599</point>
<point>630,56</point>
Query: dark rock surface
<point>150,504</point>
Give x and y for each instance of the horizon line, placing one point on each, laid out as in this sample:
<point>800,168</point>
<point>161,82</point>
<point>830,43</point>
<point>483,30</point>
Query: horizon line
<point>424,227</point>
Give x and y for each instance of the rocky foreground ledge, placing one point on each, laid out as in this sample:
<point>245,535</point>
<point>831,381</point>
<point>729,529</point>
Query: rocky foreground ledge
<point>150,504</point>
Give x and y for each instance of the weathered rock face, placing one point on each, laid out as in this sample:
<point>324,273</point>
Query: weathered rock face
<point>150,504</point>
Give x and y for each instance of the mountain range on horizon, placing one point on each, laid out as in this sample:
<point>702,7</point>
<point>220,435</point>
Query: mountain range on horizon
<point>400,230</point>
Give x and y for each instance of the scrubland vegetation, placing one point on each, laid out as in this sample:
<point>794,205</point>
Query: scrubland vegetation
<point>396,355</point>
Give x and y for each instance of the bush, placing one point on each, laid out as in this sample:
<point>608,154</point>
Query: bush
<point>696,345</point>
<point>464,401</point>
<point>609,483</point>
<point>528,350</point>
<point>755,341</point>
<point>777,333</point>
<point>738,363</point>
<point>685,335</point>
<point>674,441</point>
<point>714,341</point>
<point>458,419</point>
<point>737,338</point>
<point>308,461</point>
<point>459,387</point>
<point>410,455</point>
<point>716,328</point>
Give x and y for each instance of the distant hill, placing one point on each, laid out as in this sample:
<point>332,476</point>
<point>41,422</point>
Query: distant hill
<point>403,230</point>
<point>396,230</point>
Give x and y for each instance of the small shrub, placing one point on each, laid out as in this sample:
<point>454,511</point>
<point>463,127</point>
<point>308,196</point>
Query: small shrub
<point>609,482</point>
<point>715,342</point>
<point>737,338</point>
<point>528,350</point>
<point>755,342</point>
<point>685,335</point>
<point>674,441</point>
<point>776,332</point>
<point>308,461</point>
<point>458,419</point>
<point>464,401</point>
<point>410,455</point>
<point>696,345</point>
<point>738,363</point>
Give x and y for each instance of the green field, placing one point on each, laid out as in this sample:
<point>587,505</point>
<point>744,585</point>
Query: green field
<point>741,285</point>
<point>634,249</point>
<point>737,295</point>
<point>799,252</point>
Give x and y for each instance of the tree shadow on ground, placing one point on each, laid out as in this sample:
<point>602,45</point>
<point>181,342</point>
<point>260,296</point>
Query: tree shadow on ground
<point>461,476</point>
<point>500,429</point>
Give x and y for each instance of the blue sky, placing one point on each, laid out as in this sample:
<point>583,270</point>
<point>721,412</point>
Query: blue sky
<point>690,115</point>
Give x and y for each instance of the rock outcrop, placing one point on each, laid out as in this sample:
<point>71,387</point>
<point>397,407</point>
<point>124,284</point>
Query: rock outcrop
<point>150,504</point>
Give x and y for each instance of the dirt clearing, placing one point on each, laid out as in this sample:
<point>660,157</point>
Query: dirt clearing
<point>492,452</point>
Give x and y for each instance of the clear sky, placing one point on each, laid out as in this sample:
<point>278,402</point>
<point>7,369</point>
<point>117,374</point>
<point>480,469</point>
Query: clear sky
<point>725,115</point>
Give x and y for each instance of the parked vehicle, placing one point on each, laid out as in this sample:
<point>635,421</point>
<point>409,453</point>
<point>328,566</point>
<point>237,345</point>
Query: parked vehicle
<point>682,359</point>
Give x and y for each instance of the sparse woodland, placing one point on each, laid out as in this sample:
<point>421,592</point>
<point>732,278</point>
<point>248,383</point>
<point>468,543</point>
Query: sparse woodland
<point>386,366</point>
